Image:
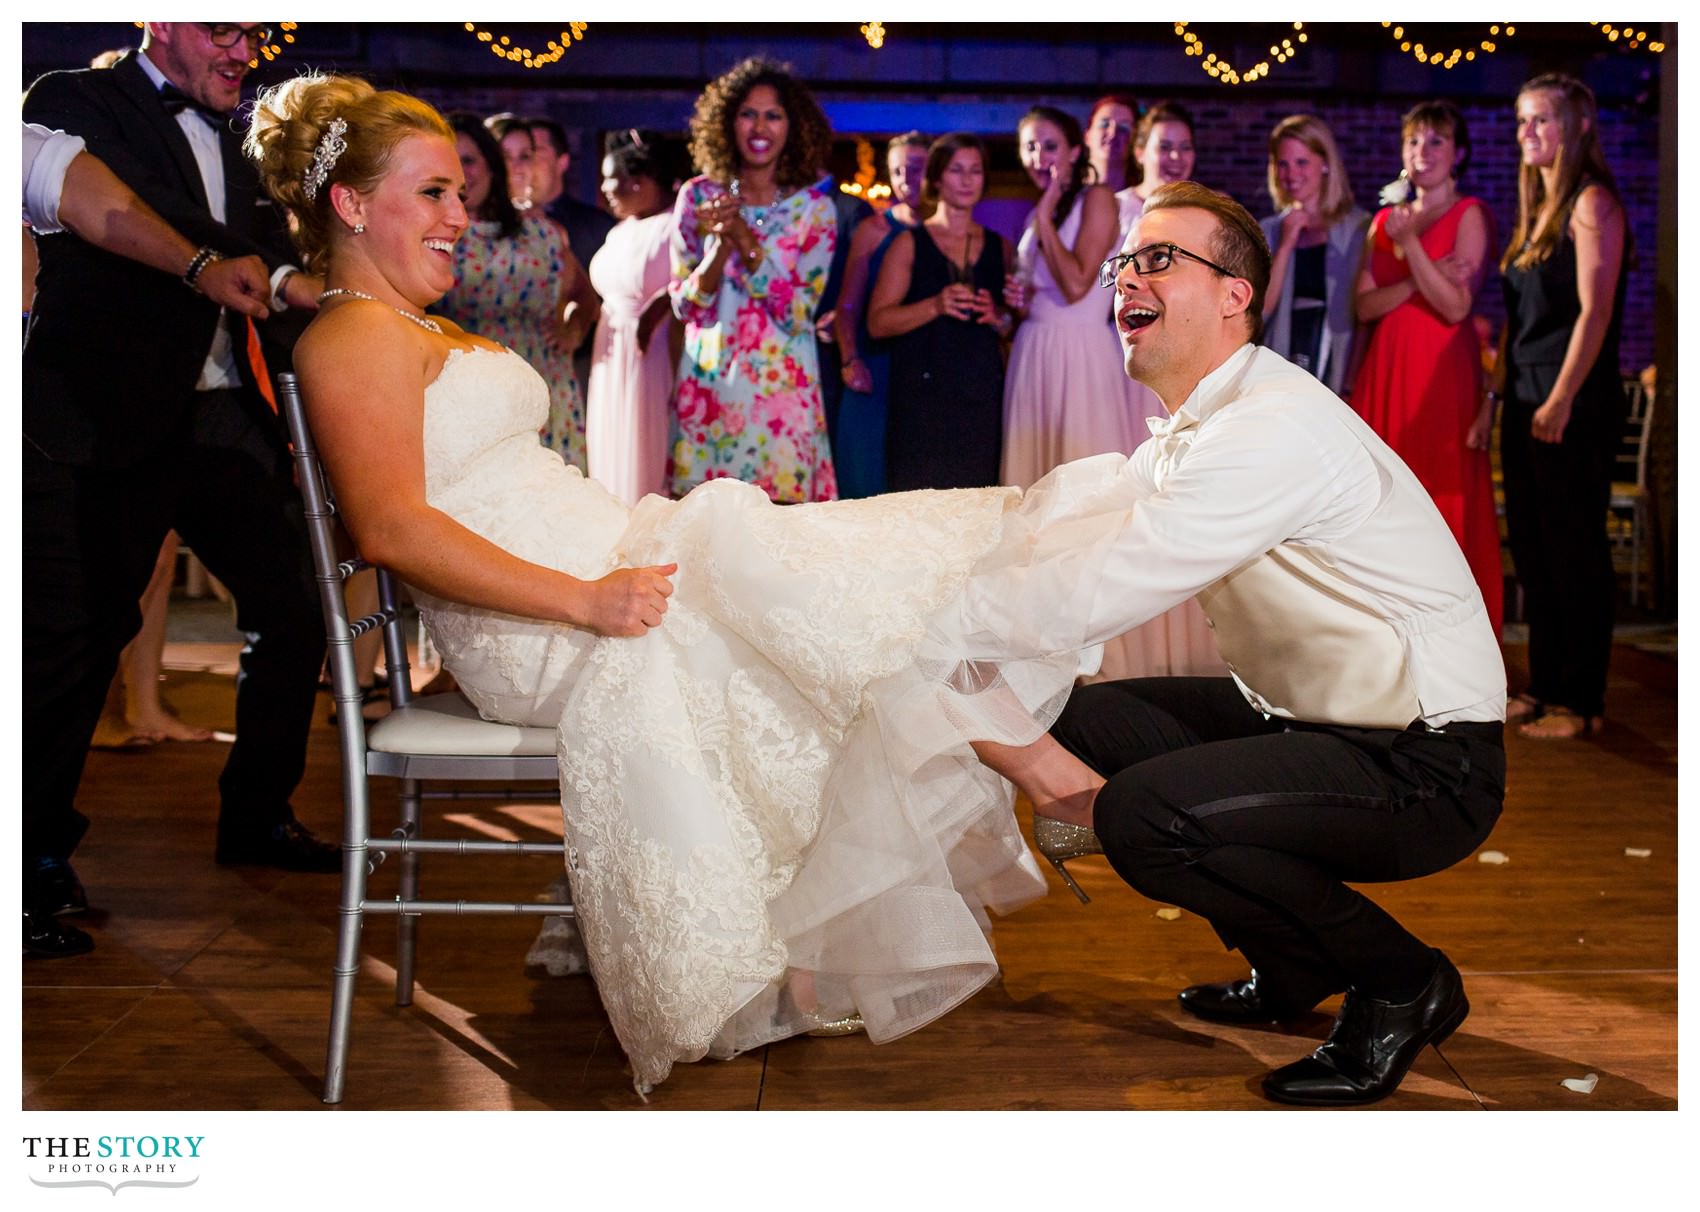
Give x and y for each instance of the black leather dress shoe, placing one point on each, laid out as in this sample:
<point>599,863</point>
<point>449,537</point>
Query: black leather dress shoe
<point>55,888</point>
<point>1372,1045</point>
<point>290,846</point>
<point>47,937</point>
<point>1240,1002</point>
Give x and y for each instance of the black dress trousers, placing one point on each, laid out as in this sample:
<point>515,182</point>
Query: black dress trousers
<point>1257,824</point>
<point>90,539</point>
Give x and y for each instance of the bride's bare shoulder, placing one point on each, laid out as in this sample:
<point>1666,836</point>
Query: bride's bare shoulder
<point>365,342</point>
<point>360,340</point>
<point>460,336</point>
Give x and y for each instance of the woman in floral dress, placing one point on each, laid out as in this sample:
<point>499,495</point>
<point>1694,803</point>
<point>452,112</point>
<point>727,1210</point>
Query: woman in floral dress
<point>753,242</point>
<point>516,279</point>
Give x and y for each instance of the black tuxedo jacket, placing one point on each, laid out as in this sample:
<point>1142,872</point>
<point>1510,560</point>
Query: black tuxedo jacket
<point>587,226</point>
<point>114,348</point>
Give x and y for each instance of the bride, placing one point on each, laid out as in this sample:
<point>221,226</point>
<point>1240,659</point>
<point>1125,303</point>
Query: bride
<point>766,715</point>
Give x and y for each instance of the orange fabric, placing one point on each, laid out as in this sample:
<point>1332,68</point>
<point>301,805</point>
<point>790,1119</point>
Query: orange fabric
<point>257,362</point>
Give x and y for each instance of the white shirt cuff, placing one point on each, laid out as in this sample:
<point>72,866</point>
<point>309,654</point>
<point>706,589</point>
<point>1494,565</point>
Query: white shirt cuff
<point>279,303</point>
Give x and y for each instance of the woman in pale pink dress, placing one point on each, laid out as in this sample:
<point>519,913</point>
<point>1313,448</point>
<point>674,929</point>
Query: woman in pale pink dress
<point>631,371</point>
<point>1066,396</point>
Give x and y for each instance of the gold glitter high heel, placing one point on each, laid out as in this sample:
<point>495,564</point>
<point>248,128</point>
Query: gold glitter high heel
<point>850,1024</point>
<point>1061,842</point>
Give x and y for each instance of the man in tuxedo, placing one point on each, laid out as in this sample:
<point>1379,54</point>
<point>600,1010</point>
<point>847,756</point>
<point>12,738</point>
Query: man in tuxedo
<point>65,188</point>
<point>143,413</point>
<point>1360,738</point>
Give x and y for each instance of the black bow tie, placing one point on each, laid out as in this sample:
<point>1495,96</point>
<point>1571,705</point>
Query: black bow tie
<point>176,101</point>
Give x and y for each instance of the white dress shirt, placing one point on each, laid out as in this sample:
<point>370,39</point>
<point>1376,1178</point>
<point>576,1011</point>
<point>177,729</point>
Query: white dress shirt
<point>47,157</point>
<point>219,370</point>
<point>1336,590</point>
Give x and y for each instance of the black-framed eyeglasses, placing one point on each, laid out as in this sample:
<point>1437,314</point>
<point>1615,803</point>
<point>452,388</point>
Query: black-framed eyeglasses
<point>226,36</point>
<point>1152,259</point>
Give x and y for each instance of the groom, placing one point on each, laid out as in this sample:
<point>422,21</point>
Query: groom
<point>1360,738</point>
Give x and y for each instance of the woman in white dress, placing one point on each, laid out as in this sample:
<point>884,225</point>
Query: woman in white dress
<point>631,370</point>
<point>767,715</point>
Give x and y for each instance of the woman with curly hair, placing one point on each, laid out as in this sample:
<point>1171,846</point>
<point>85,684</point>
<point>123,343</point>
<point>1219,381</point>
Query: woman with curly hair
<point>517,281</point>
<point>752,247</point>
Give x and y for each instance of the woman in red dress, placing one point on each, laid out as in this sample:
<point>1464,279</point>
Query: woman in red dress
<point>1420,384</point>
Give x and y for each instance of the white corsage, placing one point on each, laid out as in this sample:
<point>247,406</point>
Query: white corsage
<point>1396,192</point>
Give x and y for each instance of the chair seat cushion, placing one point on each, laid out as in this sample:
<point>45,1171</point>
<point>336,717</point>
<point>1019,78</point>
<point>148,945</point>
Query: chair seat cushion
<point>449,724</point>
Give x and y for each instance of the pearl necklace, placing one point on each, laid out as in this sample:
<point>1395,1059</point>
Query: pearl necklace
<point>424,322</point>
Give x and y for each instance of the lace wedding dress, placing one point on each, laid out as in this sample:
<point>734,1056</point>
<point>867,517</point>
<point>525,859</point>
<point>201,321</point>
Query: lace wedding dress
<point>772,813</point>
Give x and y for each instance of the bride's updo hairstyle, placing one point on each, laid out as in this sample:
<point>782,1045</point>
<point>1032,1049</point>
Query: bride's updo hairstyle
<point>293,142</point>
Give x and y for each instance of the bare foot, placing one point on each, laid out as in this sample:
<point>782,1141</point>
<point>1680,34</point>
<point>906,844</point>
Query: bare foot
<point>166,727</point>
<point>1562,724</point>
<point>113,733</point>
<point>1522,707</point>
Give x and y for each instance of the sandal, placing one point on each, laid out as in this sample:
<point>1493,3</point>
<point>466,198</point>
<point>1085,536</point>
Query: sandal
<point>1563,724</point>
<point>1525,706</point>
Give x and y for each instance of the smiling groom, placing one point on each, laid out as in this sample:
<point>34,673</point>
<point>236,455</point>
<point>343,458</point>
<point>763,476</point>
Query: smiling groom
<point>1359,737</point>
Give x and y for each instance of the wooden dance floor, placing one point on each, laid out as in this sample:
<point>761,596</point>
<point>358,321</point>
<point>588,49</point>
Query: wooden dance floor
<point>209,987</point>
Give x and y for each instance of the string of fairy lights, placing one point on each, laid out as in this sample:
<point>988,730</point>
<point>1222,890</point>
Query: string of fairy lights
<point>1412,45</point>
<point>1407,38</point>
<point>1220,69</point>
<point>504,47</point>
<point>1635,39</point>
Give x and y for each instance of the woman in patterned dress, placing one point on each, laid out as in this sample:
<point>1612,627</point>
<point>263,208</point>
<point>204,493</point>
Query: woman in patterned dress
<point>517,281</point>
<point>753,242</point>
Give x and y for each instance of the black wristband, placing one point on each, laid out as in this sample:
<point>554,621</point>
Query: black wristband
<point>204,256</point>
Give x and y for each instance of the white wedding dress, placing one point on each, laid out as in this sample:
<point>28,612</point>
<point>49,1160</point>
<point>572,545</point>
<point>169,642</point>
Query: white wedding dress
<point>777,780</point>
